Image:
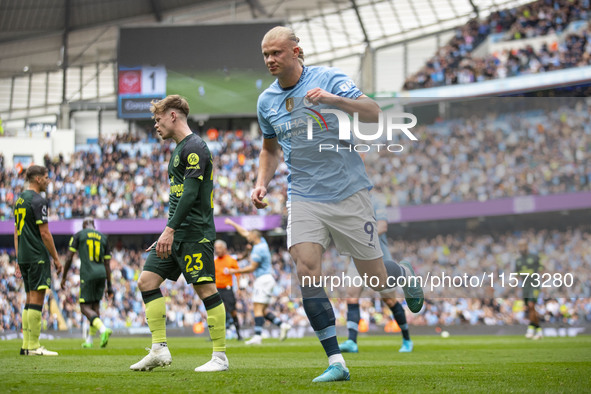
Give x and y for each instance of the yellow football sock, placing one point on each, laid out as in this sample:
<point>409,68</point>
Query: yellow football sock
<point>91,331</point>
<point>97,323</point>
<point>156,317</point>
<point>34,326</point>
<point>216,322</point>
<point>25,322</point>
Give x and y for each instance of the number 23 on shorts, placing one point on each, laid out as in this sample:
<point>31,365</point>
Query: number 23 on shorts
<point>194,262</point>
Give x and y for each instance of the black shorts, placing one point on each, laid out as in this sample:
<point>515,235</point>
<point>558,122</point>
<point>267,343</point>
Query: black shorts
<point>193,259</point>
<point>530,294</point>
<point>36,276</point>
<point>92,291</point>
<point>228,299</point>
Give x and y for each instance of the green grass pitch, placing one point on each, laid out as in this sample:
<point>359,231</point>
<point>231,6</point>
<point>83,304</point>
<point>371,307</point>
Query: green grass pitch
<point>456,364</point>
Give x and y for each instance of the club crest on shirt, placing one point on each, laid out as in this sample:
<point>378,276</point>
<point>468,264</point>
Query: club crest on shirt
<point>289,104</point>
<point>176,161</point>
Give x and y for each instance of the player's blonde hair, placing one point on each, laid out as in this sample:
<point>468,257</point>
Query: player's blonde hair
<point>173,101</point>
<point>285,33</point>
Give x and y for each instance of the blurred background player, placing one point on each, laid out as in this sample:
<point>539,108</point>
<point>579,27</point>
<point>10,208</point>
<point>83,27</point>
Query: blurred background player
<point>186,244</point>
<point>34,245</point>
<point>529,263</point>
<point>224,283</point>
<point>95,258</point>
<point>262,289</point>
<point>353,292</point>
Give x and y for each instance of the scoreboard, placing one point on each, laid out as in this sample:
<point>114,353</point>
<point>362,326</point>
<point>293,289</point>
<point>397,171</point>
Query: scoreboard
<point>137,87</point>
<point>218,68</point>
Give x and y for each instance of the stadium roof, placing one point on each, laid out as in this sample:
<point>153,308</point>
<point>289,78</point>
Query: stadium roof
<point>34,33</point>
<point>33,18</point>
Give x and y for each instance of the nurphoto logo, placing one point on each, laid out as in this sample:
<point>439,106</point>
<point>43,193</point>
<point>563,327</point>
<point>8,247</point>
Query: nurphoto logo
<point>388,122</point>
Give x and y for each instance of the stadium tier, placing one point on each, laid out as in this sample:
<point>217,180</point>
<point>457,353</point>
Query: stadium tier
<point>467,58</point>
<point>539,151</point>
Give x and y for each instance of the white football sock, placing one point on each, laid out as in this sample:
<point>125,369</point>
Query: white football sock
<point>220,355</point>
<point>336,358</point>
<point>158,346</point>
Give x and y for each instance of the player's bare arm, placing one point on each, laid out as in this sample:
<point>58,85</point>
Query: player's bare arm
<point>67,265</point>
<point>241,230</point>
<point>245,253</point>
<point>382,227</point>
<point>15,240</point>
<point>245,270</point>
<point>18,270</point>
<point>268,162</point>
<point>48,241</point>
<point>109,290</point>
<point>367,109</point>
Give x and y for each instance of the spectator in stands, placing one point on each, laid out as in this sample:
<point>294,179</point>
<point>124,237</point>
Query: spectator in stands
<point>456,63</point>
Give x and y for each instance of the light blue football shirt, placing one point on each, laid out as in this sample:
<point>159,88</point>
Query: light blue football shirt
<point>262,255</point>
<point>323,176</point>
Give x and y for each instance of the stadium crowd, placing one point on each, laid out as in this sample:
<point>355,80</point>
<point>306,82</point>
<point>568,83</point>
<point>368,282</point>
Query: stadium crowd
<point>560,251</point>
<point>544,17</point>
<point>490,155</point>
<point>478,158</point>
<point>454,62</point>
<point>126,177</point>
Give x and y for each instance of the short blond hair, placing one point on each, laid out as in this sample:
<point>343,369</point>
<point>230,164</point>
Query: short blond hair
<point>174,101</point>
<point>285,33</point>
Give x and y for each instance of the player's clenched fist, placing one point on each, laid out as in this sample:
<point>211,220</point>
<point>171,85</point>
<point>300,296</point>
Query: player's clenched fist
<point>257,196</point>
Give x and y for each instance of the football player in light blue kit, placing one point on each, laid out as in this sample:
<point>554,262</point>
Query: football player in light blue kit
<point>328,190</point>
<point>262,289</point>
<point>354,293</point>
